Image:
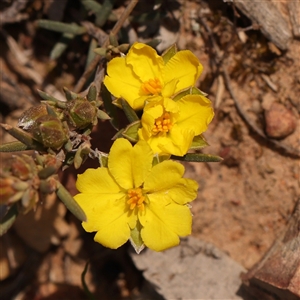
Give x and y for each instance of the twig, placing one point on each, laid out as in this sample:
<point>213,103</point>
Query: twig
<point>12,14</point>
<point>289,150</point>
<point>92,66</point>
<point>219,61</point>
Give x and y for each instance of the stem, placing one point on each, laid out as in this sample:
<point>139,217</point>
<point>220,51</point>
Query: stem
<point>97,58</point>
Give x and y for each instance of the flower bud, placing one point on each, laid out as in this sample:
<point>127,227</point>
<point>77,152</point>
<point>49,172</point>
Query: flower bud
<point>29,200</point>
<point>6,190</point>
<point>81,113</point>
<point>49,131</point>
<point>28,118</point>
<point>20,168</point>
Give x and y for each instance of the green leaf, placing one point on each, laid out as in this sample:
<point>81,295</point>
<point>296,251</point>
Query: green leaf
<point>103,159</point>
<point>92,93</point>
<point>182,93</point>
<point>14,147</point>
<point>61,27</point>
<point>109,107</point>
<point>131,131</point>
<point>69,202</point>
<point>136,238</point>
<point>70,95</point>
<point>198,157</point>
<point>95,7</point>
<point>129,111</point>
<point>88,293</point>
<point>91,53</point>
<point>47,172</point>
<point>9,219</point>
<point>102,115</point>
<point>196,91</point>
<point>119,134</point>
<point>103,14</point>
<point>169,53</point>
<point>199,142</point>
<point>46,96</point>
<point>100,51</point>
<point>61,45</point>
<point>189,91</point>
<point>23,137</point>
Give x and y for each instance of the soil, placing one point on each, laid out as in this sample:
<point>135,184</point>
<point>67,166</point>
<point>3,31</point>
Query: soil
<point>243,203</point>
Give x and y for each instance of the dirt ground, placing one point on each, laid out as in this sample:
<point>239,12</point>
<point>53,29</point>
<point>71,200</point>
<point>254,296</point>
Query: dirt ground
<point>244,202</point>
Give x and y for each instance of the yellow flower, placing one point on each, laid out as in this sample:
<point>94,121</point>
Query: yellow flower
<point>132,193</point>
<point>169,127</point>
<point>142,73</point>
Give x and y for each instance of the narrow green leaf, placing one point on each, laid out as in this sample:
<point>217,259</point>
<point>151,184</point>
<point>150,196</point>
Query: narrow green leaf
<point>102,115</point>
<point>103,159</point>
<point>81,154</point>
<point>70,95</point>
<point>103,14</point>
<point>23,137</point>
<point>9,219</point>
<point>88,293</point>
<point>136,238</point>
<point>69,202</point>
<point>196,91</point>
<point>91,53</point>
<point>131,131</point>
<point>14,147</point>
<point>199,142</point>
<point>92,93</point>
<point>46,96</point>
<point>119,134</point>
<point>95,7</point>
<point>169,53</point>
<point>109,107</point>
<point>51,111</point>
<point>61,45</point>
<point>198,157</point>
<point>189,91</point>
<point>129,111</point>
<point>61,27</point>
<point>182,93</point>
<point>100,51</point>
<point>47,172</point>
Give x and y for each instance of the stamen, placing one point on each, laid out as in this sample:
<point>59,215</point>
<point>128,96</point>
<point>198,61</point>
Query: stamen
<point>162,124</point>
<point>151,87</point>
<point>136,199</point>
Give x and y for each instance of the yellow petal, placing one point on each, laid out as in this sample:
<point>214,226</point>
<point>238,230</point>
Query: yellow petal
<point>185,66</point>
<point>162,226</point>
<point>114,224</point>
<point>96,206</point>
<point>176,142</point>
<point>97,181</point>
<point>145,62</point>
<point>182,192</point>
<point>130,165</point>
<point>142,157</point>
<point>181,138</point>
<point>121,81</point>
<point>195,113</point>
<point>163,176</point>
<point>120,163</point>
<point>169,88</point>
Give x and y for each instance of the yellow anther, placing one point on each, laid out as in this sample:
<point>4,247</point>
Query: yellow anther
<point>162,124</point>
<point>136,199</point>
<point>151,87</point>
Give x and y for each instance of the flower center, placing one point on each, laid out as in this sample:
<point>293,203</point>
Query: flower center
<point>162,124</point>
<point>151,87</point>
<point>136,198</point>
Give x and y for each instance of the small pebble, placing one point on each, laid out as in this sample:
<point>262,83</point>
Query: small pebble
<point>280,122</point>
